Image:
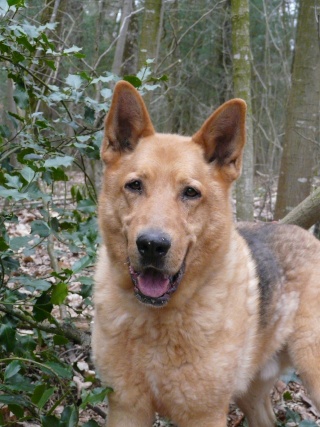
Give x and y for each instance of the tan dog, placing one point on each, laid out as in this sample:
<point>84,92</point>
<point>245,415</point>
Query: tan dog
<point>192,312</point>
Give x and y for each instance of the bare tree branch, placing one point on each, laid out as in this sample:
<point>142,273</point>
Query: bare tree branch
<point>307,213</point>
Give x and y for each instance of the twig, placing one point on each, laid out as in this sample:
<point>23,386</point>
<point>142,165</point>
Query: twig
<point>98,411</point>
<point>61,328</point>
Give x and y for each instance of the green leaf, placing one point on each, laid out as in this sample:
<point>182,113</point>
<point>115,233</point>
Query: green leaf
<point>79,55</point>
<point>23,40</point>
<point>42,124</point>
<point>42,308</point>
<point>60,340</point>
<point>17,243</point>
<point>103,79</point>
<point>3,244</point>
<point>28,174</point>
<point>21,97</point>
<point>287,395</point>
<point>81,263</point>
<point>59,293</point>
<point>16,116</point>
<point>134,80</point>
<point>59,161</point>
<point>83,138</point>
<point>32,284</point>
<point>13,181</point>
<point>58,174</point>
<point>150,87</point>
<point>5,131</point>
<point>50,421</point>
<point>17,57</point>
<point>14,400</point>
<point>87,206</point>
<point>59,369</point>
<point>74,81</point>
<point>50,63</point>
<point>34,192</point>
<point>106,93</point>
<point>41,228</point>
<point>19,383</point>
<point>293,416</point>
<point>91,423</point>
<point>10,263</point>
<point>72,49</point>
<point>89,114</point>
<point>70,416</point>
<point>306,423</point>
<point>7,337</point>
<point>12,369</point>
<point>15,2</point>
<point>17,410</point>
<point>30,30</point>
<point>84,75</point>
<point>14,194</point>
<point>95,396</point>
<point>41,395</point>
<point>54,224</point>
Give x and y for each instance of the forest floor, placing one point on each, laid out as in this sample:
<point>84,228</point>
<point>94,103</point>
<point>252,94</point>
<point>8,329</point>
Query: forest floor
<point>287,395</point>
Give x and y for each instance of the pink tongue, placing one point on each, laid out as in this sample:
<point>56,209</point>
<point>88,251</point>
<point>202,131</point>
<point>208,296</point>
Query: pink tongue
<point>153,284</point>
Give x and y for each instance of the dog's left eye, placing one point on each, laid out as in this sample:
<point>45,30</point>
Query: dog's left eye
<point>134,185</point>
<point>191,193</point>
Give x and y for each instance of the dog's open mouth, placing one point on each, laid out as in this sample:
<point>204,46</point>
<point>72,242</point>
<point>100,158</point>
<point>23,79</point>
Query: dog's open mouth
<point>153,287</point>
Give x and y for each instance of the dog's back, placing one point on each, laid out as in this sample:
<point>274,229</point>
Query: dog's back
<point>287,260</point>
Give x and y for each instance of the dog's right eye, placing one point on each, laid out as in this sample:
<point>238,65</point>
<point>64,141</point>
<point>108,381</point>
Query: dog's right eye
<point>134,185</point>
<point>191,193</point>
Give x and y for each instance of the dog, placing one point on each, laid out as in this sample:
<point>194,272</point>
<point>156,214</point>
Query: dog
<point>193,311</point>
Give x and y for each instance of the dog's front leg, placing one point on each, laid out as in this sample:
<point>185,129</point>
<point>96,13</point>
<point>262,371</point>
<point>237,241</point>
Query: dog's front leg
<point>125,415</point>
<point>213,420</point>
<point>211,416</point>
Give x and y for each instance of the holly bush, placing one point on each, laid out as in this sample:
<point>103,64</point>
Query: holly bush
<point>50,136</point>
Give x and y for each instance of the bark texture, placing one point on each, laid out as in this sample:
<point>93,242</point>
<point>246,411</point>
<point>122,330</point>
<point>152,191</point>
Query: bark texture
<point>123,30</point>
<point>302,117</point>
<point>150,32</point>
<point>242,89</point>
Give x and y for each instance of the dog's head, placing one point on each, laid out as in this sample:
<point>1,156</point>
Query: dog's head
<point>164,208</point>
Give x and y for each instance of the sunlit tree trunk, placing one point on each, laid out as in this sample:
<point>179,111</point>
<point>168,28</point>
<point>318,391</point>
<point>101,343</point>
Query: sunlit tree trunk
<point>242,89</point>
<point>302,116</point>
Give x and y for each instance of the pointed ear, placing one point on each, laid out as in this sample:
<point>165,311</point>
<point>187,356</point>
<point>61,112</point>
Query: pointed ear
<point>127,121</point>
<point>223,136</point>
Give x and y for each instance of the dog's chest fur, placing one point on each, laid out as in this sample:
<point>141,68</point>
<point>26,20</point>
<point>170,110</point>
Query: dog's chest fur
<point>172,349</point>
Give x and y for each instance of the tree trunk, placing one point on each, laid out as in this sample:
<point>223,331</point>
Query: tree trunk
<point>151,31</point>
<point>173,122</point>
<point>242,89</point>
<point>302,117</point>
<point>123,30</point>
<point>130,54</point>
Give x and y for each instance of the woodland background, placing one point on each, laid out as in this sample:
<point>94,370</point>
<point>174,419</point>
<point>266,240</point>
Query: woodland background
<point>59,63</point>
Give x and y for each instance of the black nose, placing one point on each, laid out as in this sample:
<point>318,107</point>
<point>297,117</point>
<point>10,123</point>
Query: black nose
<point>153,245</point>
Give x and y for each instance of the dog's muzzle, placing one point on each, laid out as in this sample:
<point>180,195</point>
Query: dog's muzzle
<point>152,285</point>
